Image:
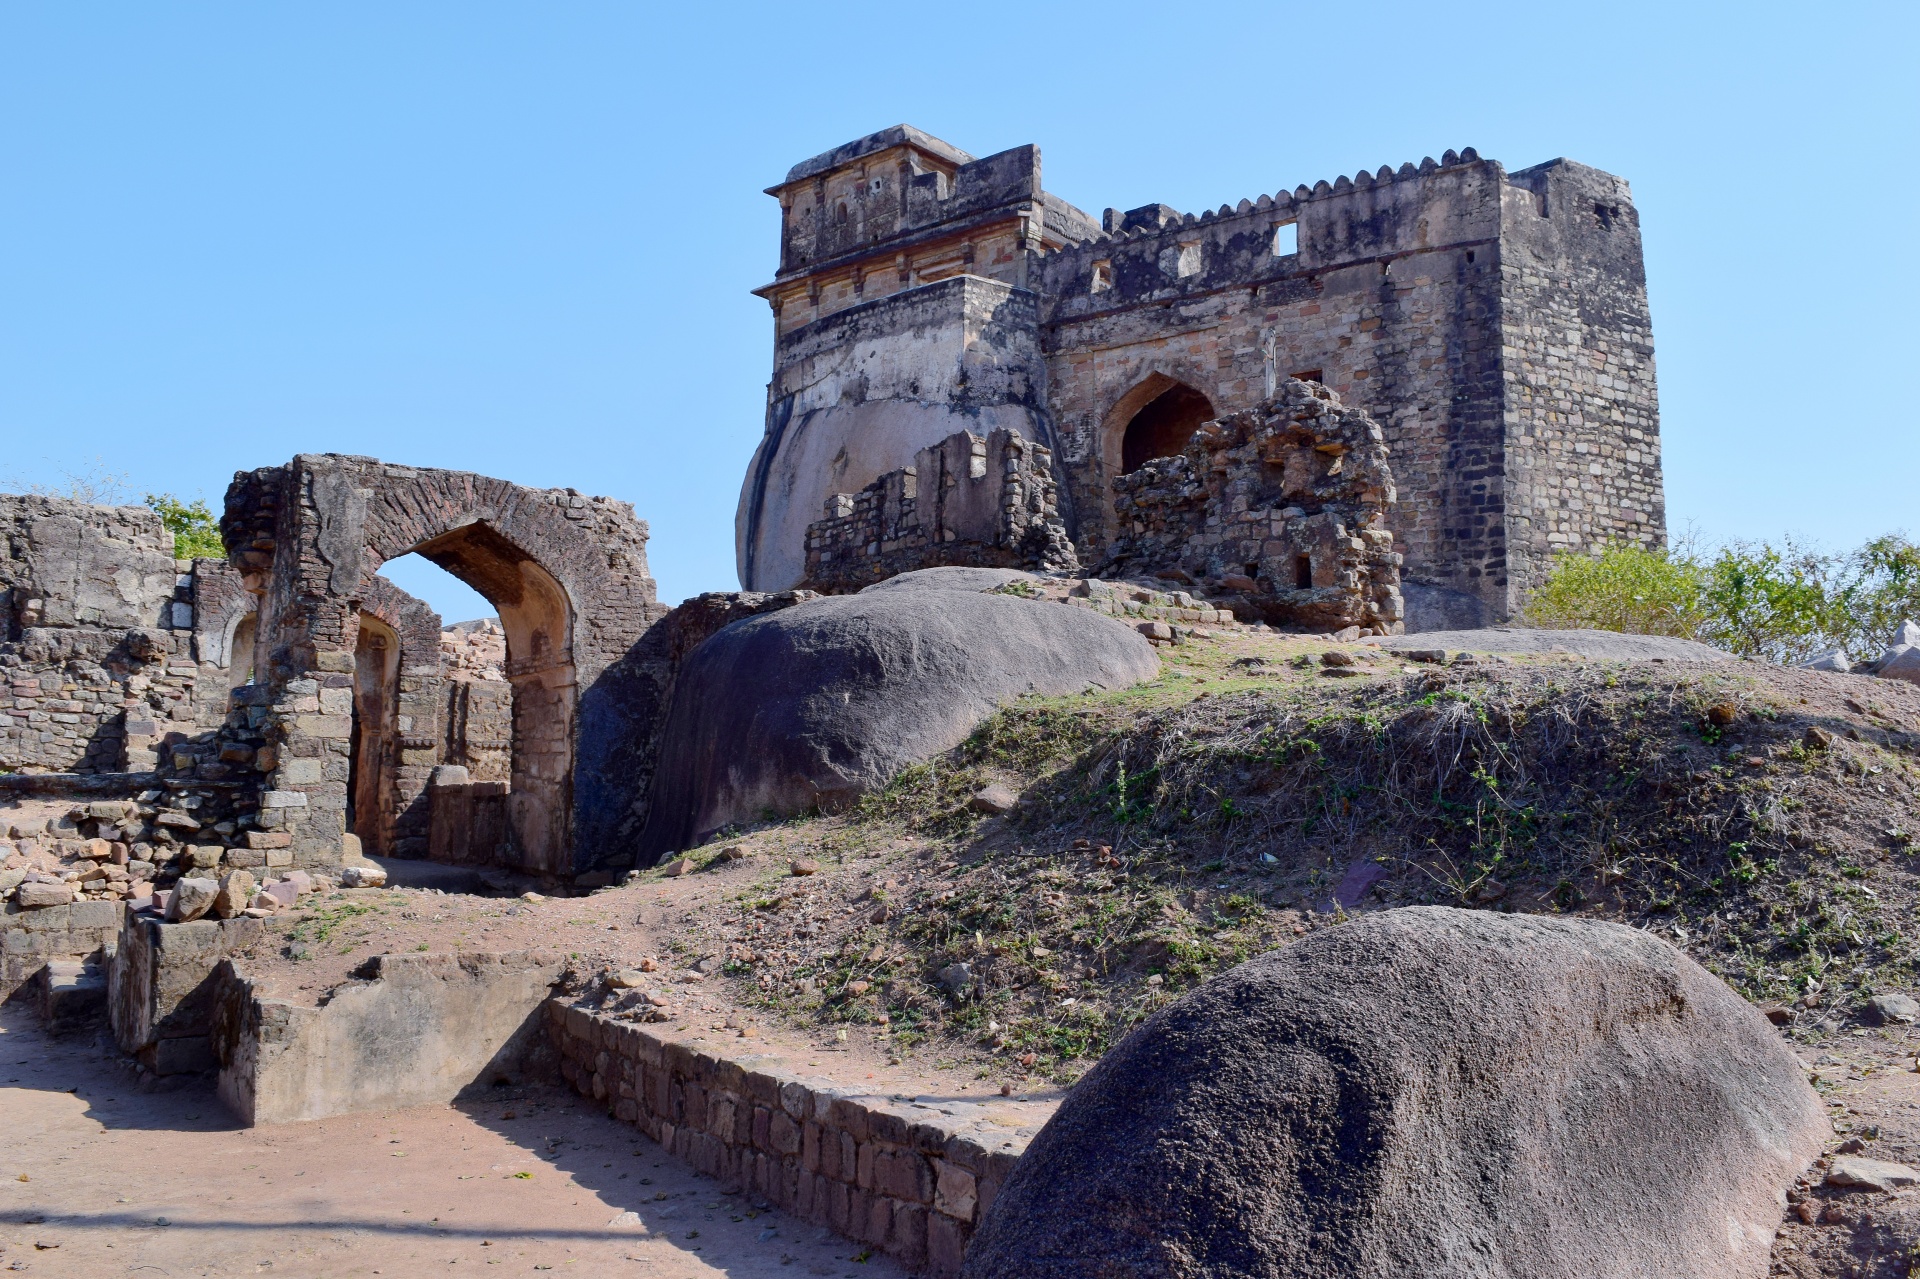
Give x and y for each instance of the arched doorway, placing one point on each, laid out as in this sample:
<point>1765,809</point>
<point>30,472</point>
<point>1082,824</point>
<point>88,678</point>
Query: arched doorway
<point>1162,426</point>
<point>538,619</point>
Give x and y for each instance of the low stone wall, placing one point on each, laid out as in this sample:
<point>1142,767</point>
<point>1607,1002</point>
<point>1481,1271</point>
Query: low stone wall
<point>908,1179</point>
<point>34,938</point>
<point>414,1030</point>
<point>163,992</point>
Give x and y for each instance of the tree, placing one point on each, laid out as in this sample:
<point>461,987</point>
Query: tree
<point>196,533</point>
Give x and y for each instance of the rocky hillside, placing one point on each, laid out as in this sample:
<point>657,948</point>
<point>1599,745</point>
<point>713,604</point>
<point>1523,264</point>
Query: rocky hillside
<point>1026,899</point>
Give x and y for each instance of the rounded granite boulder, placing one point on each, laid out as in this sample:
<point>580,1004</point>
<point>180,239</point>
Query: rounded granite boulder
<point>817,704</point>
<point>1429,1092</point>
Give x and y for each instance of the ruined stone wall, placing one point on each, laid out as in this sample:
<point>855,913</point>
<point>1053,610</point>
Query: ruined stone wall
<point>859,393</point>
<point>988,502</point>
<point>407,745</point>
<point>906,1179</point>
<point>1281,513</point>
<point>96,651</point>
<point>568,576</point>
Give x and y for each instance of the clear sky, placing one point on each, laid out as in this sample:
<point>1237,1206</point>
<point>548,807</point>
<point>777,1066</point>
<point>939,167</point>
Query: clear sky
<point>519,238</point>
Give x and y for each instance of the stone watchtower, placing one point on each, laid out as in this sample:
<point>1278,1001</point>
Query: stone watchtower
<point>1494,323</point>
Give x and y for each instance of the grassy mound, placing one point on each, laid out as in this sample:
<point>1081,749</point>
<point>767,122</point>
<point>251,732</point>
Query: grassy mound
<point>1760,817</point>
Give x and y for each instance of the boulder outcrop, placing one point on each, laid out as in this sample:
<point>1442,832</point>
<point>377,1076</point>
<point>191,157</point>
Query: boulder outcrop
<point>1425,1092</point>
<point>817,704</point>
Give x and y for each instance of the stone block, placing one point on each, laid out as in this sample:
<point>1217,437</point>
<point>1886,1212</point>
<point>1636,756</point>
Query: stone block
<point>269,839</point>
<point>955,1191</point>
<point>42,896</point>
<point>187,1056</point>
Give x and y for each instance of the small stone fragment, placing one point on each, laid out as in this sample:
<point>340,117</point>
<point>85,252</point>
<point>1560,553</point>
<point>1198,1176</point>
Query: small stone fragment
<point>1722,714</point>
<point>1817,738</point>
<point>1870,1174</point>
<point>677,867</point>
<point>956,977</point>
<point>370,875</point>
<point>236,891</point>
<point>804,866</point>
<point>994,800</point>
<point>1886,1010</point>
<point>1336,657</point>
<point>732,853</point>
<point>627,979</point>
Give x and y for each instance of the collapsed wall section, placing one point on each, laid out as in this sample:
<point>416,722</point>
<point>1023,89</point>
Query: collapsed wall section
<point>969,501</point>
<point>1282,512</point>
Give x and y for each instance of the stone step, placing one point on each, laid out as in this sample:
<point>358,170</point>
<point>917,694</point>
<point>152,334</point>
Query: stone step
<point>72,995</point>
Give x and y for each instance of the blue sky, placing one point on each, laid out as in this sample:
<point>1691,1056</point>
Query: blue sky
<point>519,239</point>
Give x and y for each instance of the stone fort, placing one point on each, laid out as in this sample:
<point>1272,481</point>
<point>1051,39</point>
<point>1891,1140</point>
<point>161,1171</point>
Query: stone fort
<point>1493,323</point>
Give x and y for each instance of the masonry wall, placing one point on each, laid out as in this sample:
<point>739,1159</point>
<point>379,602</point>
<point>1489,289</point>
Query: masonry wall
<point>989,502</point>
<point>96,648</point>
<point>1496,330</point>
<point>891,1175</point>
<point>1582,410</point>
<point>859,393</point>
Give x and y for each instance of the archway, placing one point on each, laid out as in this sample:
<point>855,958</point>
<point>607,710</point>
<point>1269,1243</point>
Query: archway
<point>567,575</point>
<point>1162,426</point>
<point>538,619</point>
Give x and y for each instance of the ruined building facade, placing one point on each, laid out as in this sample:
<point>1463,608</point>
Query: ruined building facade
<point>1493,323</point>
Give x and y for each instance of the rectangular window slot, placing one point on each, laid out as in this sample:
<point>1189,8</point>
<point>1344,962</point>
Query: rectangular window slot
<point>1303,572</point>
<point>1102,277</point>
<point>1311,375</point>
<point>1286,239</point>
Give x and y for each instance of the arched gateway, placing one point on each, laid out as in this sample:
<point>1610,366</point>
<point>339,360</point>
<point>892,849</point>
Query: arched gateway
<point>568,575</point>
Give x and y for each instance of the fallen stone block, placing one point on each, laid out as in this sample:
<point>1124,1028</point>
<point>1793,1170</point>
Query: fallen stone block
<point>32,896</point>
<point>236,890</point>
<point>191,899</point>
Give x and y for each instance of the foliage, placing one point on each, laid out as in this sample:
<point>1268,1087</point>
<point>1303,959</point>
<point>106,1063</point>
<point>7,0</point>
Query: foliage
<point>1784,603</point>
<point>196,532</point>
<point>1624,588</point>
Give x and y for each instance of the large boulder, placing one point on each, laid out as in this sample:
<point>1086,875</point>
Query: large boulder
<point>817,704</point>
<point>1428,1092</point>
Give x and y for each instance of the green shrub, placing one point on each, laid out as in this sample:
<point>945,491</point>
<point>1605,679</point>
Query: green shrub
<point>1624,588</point>
<point>1784,603</point>
<point>196,533</point>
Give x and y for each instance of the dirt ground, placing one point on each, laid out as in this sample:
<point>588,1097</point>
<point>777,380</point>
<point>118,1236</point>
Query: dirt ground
<point>97,1180</point>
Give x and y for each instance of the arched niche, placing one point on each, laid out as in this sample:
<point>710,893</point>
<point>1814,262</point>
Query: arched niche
<point>373,748</point>
<point>1156,419</point>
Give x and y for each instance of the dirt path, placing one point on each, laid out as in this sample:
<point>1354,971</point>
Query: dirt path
<point>97,1179</point>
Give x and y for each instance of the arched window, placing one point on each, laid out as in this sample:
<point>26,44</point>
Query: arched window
<point>1163,426</point>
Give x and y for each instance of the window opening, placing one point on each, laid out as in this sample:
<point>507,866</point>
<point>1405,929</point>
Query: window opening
<point>1286,239</point>
<point>1311,375</point>
<point>1303,572</point>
